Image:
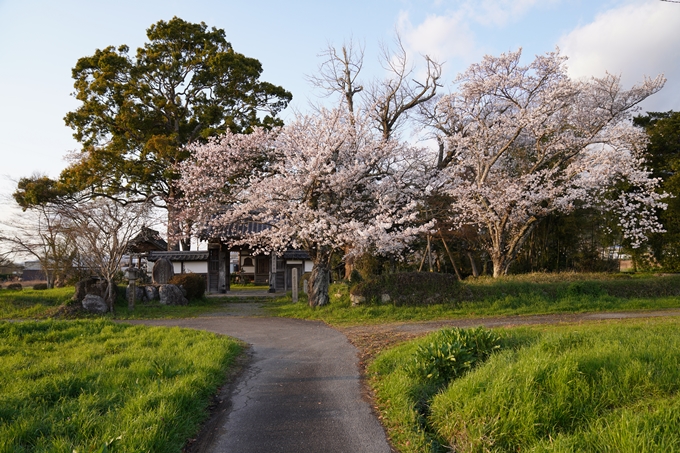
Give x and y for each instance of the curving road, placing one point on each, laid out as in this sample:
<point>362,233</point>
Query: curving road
<point>300,393</point>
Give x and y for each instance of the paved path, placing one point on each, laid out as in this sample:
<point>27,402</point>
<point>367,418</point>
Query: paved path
<point>301,391</point>
<point>300,394</point>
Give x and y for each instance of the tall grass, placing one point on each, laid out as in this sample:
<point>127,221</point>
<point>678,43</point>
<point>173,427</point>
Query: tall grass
<point>600,387</point>
<point>605,388</point>
<point>70,386</point>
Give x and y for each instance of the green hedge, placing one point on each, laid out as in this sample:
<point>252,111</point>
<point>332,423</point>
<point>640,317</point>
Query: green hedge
<point>409,288</point>
<point>194,284</point>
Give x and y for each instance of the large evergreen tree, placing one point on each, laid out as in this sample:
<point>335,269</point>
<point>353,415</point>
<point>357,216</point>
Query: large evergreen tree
<point>663,158</point>
<point>138,113</point>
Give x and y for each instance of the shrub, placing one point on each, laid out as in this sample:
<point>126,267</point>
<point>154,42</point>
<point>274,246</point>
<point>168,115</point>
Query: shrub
<point>355,277</point>
<point>15,286</point>
<point>451,353</point>
<point>409,288</point>
<point>193,284</point>
<point>40,286</point>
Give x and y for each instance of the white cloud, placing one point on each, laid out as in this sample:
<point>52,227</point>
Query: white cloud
<point>452,35</point>
<point>499,13</point>
<point>634,40</point>
<point>441,37</point>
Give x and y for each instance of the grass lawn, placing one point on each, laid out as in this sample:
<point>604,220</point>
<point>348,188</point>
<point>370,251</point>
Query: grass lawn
<point>248,287</point>
<point>31,303</point>
<point>95,386</point>
<point>514,295</point>
<point>56,303</point>
<point>599,387</point>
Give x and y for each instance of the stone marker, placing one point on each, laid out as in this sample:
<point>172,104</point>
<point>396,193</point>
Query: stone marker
<point>162,271</point>
<point>295,284</point>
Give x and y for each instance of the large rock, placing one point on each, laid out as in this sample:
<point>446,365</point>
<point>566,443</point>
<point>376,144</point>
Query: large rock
<point>163,271</point>
<point>95,304</point>
<point>171,295</point>
<point>151,292</point>
<point>92,285</point>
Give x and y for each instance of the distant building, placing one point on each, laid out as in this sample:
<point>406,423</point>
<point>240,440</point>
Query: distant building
<point>147,240</point>
<point>33,270</point>
<point>9,271</point>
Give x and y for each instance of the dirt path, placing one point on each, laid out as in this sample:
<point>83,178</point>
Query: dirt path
<point>371,339</point>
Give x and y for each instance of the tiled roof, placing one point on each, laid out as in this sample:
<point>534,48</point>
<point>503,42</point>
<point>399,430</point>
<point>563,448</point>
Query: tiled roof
<point>189,255</point>
<point>235,230</point>
<point>146,240</point>
<point>296,255</point>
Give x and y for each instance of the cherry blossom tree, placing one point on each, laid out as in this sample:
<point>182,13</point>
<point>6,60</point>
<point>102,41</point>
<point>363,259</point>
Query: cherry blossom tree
<point>389,102</point>
<point>518,142</point>
<point>329,181</point>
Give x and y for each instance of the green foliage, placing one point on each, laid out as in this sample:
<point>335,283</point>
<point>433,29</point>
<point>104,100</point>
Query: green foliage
<point>31,303</point>
<point>355,277</point>
<point>194,284</point>
<point>663,158</point>
<point>511,295</point>
<point>451,353</point>
<point>572,388</point>
<point>137,114</point>
<point>404,390</point>
<point>368,266</point>
<point>15,287</point>
<point>410,288</point>
<point>100,386</point>
<point>589,388</point>
<point>40,286</point>
<point>581,241</point>
<point>38,190</point>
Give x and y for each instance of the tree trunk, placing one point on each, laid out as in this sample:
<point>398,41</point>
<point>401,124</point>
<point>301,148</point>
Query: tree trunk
<point>500,265</point>
<point>318,285</point>
<point>475,272</point>
<point>349,263</point>
<point>448,252</point>
<point>110,296</point>
<point>49,275</point>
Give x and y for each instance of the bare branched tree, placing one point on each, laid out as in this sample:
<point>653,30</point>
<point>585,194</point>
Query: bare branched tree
<point>38,233</point>
<point>101,230</point>
<point>339,72</point>
<point>393,99</point>
<point>389,101</point>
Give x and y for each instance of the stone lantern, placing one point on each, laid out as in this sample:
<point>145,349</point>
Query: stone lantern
<point>132,274</point>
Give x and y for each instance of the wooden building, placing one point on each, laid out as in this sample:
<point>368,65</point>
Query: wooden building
<point>261,269</point>
<point>223,264</point>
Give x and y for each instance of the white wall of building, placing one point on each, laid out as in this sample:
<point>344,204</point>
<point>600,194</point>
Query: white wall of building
<point>195,267</point>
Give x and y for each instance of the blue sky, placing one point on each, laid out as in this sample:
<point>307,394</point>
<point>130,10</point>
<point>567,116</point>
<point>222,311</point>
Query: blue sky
<point>41,40</point>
